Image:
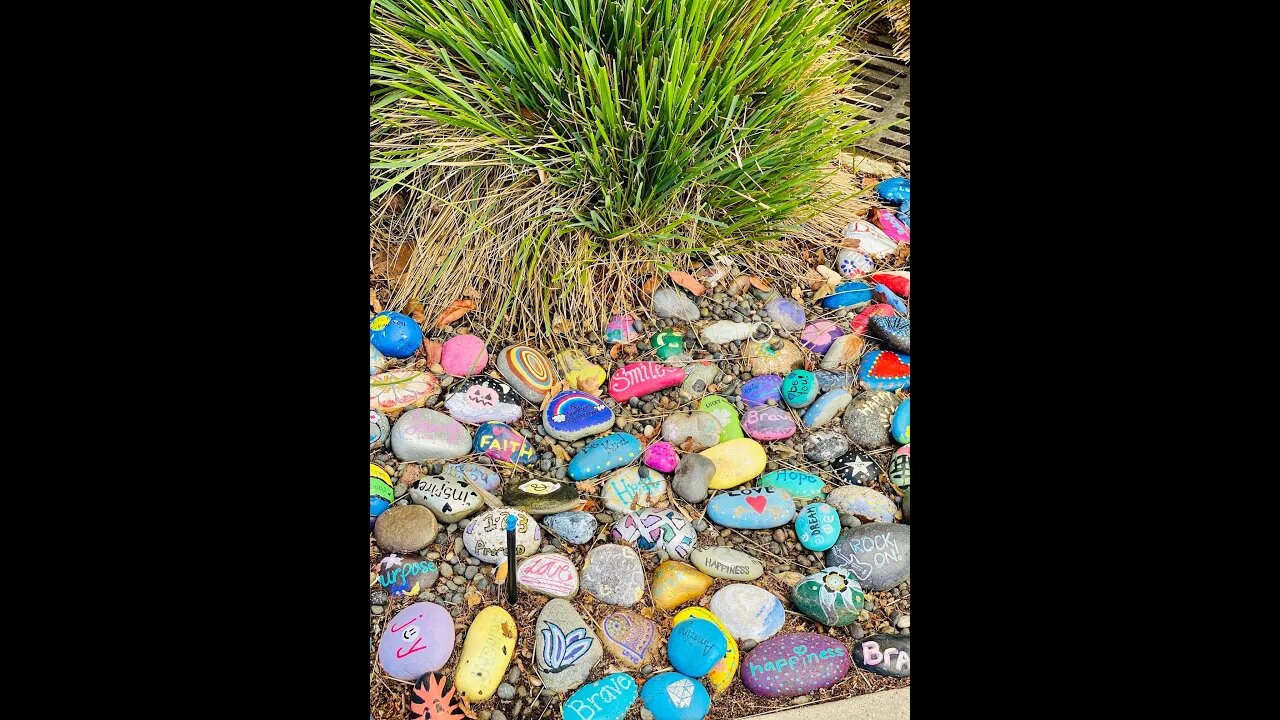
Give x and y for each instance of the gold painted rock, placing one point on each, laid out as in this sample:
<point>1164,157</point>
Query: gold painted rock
<point>736,461</point>
<point>676,583</point>
<point>721,676</point>
<point>486,653</point>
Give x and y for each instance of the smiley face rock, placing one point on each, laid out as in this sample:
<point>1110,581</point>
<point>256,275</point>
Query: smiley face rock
<point>418,640</point>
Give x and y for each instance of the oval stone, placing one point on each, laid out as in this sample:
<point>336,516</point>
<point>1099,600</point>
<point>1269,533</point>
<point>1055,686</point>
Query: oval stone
<point>653,530</point>
<point>502,442</point>
<point>786,313</point>
<point>632,488</point>
<point>843,352</point>
<point>825,446</point>
<point>826,408</point>
<point>464,355</point>
<point>451,499</point>
<point>608,698</point>
<point>795,664</point>
<point>848,295</point>
<point>486,653</point>
<point>675,696</point>
<point>752,509</point>
<point>379,428</point>
<point>869,239</point>
<point>831,597</point>
<point>894,330</point>
<point>725,413</point>
<point>406,575</point>
<point>671,303</point>
<point>885,370</point>
<point>483,399</point>
<point>377,361</point>
<point>603,454</point>
<point>613,574</point>
<point>800,485</point>
<point>573,414</point>
<point>727,563</point>
<point>818,336</point>
<point>894,190</point>
<point>381,494</point>
<point>676,583</point>
<point>540,496</point>
<point>423,434</point>
<point>900,426</point>
<point>630,637</point>
<point>888,655</point>
<point>642,378</point>
<point>736,461</point>
<point>691,432</point>
<point>399,389</point>
<point>859,322</point>
<point>768,423</point>
<point>818,526</point>
<point>900,470</point>
<point>723,332</point>
<point>484,478</point>
<point>486,536</point>
<point>528,370</point>
<point>405,528</point>
<point>799,388</point>
<point>724,672</point>
<point>866,422</point>
<point>394,335</point>
<point>692,477</point>
<point>418,640</point>
<point>565,648</point>
<point>863,502</point>
<point>621,329</point>
<point>696,645</point>
<point>551,574</point>
<point>878,554</point>
<point>575,527</point>
<point>749,612</point>
<point>855,468</point>
<point>776,357</point>
<point>853,264</point>
<point>661,456</point>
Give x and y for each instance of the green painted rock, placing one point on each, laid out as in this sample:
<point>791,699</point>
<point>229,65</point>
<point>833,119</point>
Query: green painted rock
<point>726,413</point>
<point>831,597</point>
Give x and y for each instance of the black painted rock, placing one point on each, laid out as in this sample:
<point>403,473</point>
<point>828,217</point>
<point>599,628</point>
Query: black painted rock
<point>878,554</point>
<point>866,420</point>
<point>888,655</point>
<point>855,468</point>
<point>895,330</point>
<point>540,497</point>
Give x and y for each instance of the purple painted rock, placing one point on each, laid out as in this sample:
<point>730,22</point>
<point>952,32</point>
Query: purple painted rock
<point>661,456</point>
<point>818,336</point>
<point>418,640</point>
<point>795,664</point>
<point>760,390</point>
<point>786,313</point>
<point>464,355</point>
<point>642,378</point>
<point>501,442</point>
<point>768,423</point>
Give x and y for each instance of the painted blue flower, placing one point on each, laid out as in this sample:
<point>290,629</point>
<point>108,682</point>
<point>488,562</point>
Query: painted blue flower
<point>559,651</point>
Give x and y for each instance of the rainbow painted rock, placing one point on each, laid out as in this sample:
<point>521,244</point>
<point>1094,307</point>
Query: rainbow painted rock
<point>895,191</point>
<point>818,526</point>
<point>422,434</point>
<point>486,536</point>
<point>379,428</point>
<point>885,370</point>
<point>486,653</point>
<point>608,698</point>
<point>573,414</point>
<point>870,239</point>
<point>603,454</point>
<point>848,295</point>
<point>418,640</point>
<point>818,336</point>
<point>501,442</point>
<point>377,361</point>
<point>898,281</point>
<point>725,413</point>
<point>667,343</point>
<point>768,423</point>
<point>736,461</point>
<point>722,675</point>
<point>381,494</point>
<point>675,696</point>
<point>406,575</point>
<point>653,530</point>
<point>399,389</point>
<point>882,294</point>
<point>579,372</point>
<point>528,370</point>
<point>852,264</point>
<point>760,508</point>
<point>464,355</point>
<point>760,390</point>
<point>892,226</point>
<point>900,472</point>
<point>895,331</point>
<point>661,456</point>
<point>858,324</point>
<point>621,329</point>
<point>394,335</point>
<point>831,597</point>
<point>799,388</point>
<point>888,655</point>
<point>795,664</point>
<point>800,485</point>
<point>901,425</point>
<point>642,378</point>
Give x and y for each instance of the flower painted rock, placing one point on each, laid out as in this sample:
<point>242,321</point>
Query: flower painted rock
<point>900,470</point>
<point>749,612</point>
<point>736,461</point>
<point>539,496</point>
<point>483,399</point>
<point>449,499</point>
<point>667,343</point>
<point>826,408</point>
<point>722,673</point>
<point>799,388</point>
<point>486,653</point>
<point>843,352</point>
<point>379,428</point>
<point>630,637</point>
<point>565,648</point>
<point>892,226</point>
<point>486,536</point>
<point>696,645</point>
<point>831,597</point>
<point>691,432</point>
<point>900,426</point>
<point>885,370</point>
<point>621,329</point>
<point>878,554</point>
<point>418,640</point>
<point>574,527</point>
<point>501,442</point>
<point>642,378</point>
<point>381,494</point>
<point>776,356</point>
<point>858,324</point>
<point>653,530</point>
<point>406,575</point>
<point>672,303</point>
<point>661,456</point>
<point>818,526</point>
<point>399,389</point>
<point>573,414</point>
<point>603,454</point>
<point>723,332</point>
<point>768,423</point>
<point>862,502</point>
<point>818,336</point>
<point>433,698</point>
<point>394,335</point>
<point>698,378</point>
<point>422,434</point>
<point>608,698</point>
<point>795,664</point>
<point>855,468</point>
<point>786,313</point>
<point>726,413</point>
<point>895,331</point>
<point>752,509</point>
<point>464,355</point>
<point>484,478</point>
<point>899,281</point>
<point>692,478</point>
<point>725,562</point>
<point>894,190</point>
<point>825,446</point>
<point>675,696</point>
<point>866,422</point>
<point>870,239</point>
<point>882,294</point>
<point>760,390</point>
<point>676,583</point>
<point>853,264</point>
<point>377,361</point>
<point>799,485</point>
<point>528,370</point>
<point>848,295</point>
<point>888,655</point>
<point>613,574</point>
<point>631,488</point>
<point>579,372</point>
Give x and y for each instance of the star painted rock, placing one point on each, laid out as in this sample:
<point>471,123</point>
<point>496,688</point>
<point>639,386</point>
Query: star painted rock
<point>722,673</point>
<point>870,239</point>
<point>768,423</point>
<point>817,526</point>
<point>882,294</point>
<point>667,343</point>
<point>776,356</point>
<point>486,536</point>
<point>573,414</point>
<point>900,470</point>
<point>608,698</point>
<point>483,399</point>
<point>885,370</point>
<point>631,488</point>
<point>752,509</point>
<point>693,475</point>
<point>900,426</point>
<point>574,527</point>
<point>725,562</point>
<point>843,352</point>
<point>795,664</point>
<point>866,422</point>
<point>691,432</point>
<point>433,698</point>
<point>898,281</point>
<point>892,226</point>
<point>377,361</point>
<point>418,640</point>
<point>486,653</point>
<point>750,612</point>
<point>394,335</point>
<point>848,295</point>
<point>540,496</point>
<point>603,454</point>
<point>696,645</point>
<point>630,637</point>
<point>825,446</point>
<point>661,456</point>
<point>723,332</point>
<point>888,655</point>
<point>550,574</point>
<point>786,313</point>
<point>736,461</point>
<point>760,390</point>
<point>894,190</point>
<point>676,583</point>
<point>450,499</point>
<point>565,648</point>
<point>826,408</point>
<point>675,696</point>
<point>399,389</point>
<point>579,372</point>
<point>698,378</point>
<point>464,355</point>
<point>799,388</point>
<point>878,554</point>
<point>855,468</point>
<point>528,370</point>
<point>381,494</point>
<point>484,478</point>
<point>621,329</point>
<point>895,331</point>
<point>853,264</point>
<point>501,442</point>
<point>831,597</point>
<point>422,434</point>
<point>406,575</point>
<point>818,336</point>
<point>613,574</point>
<point>672,303</point>
<point>642,378</point>
<point>726,413</point>
<point>379,429</point>
<point>653,530</point>
<point>799,485</point>
<point>863,502</point>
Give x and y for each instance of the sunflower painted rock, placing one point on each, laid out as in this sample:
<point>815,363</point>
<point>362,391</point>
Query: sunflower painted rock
<point>831,597</point>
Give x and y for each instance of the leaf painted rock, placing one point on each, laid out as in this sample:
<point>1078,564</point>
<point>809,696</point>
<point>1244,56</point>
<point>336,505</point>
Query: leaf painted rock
<point>760,390</point>
<point>653,530</point>
<point>863,503</point>
<point>377,361</point>
<point>696,645</point>
<point>725,562</point>
<point>759,508</point>
<point>434,698</point>
<point>888,655</point>
<point>736,461</point>
<point>379,429</point>
<point>798,484</point>
<point>885,370</point>
<point>676,583</point>
<point>844,352</point>
<point>900,470</point>
<point>786,313</point>
<point>895,331</point>
<point>892,226</point>
<point>882,294</point>
<point>672,303</point>
<point>539,496</point>
<point>818,526</point>
<point>777,356</point>
<point>852,295</point>
<point>799,388</point>
<point>692,478</point>
<point>722,673</point>
<point>406,575</point>
<point>749,612</point>
<point>483,399</point>
<point>827,407</point>
<point>855,468</point>
<point>604,454</point>
<point>423,434</point>
<point>869,239</point>
<point>486,536</point>
<point>725,413</point>
<point>399,389</point>
<point>381,493</point>
<point>899,281</point>
<point>795,664</point>
<point>691,431</point>
<point>405,529</point>
<point>484,478</point>
<point>900,426</point>
<point>528,371</point>
<point>565,648</point>
<point>574,527</point>
<point>818,336</point>
<point>858,324</point>
<point>661,456</point>
<point>418,640</point>
<point>580,373</point>
<point>630,637</point>
<point>608,698</point>
<point>667,344</point>
<point>641,378</point>
<point>831,597</point>
<point>573,414</point>
<point>621,329</point>
<point>853,264</point>
<point>502,442</point>
<point>767,423</point>
<point>464,355</point>
<point>675,696</point>
<point>451,499</point>
<point>613,574</point>
<point>394,335</point>
<point>486,653</point>
<point>825,446</point>
<point>632,488</point>
<point>866,422</point>
<point>894,190</point>
<point>878,554</point>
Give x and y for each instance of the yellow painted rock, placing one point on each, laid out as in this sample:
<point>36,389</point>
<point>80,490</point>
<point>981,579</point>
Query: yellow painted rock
<point>579,372</point>
<point>737,461</point>
<point>486,653</point>
<point>676,583</point>
<point>722,675</point>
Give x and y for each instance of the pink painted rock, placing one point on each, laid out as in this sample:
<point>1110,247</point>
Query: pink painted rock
<point>767,422</point>
<point>898,281</point>
<point>661,456</point>
<point>621,329</point>
<point>818,336</point>
<point>464,355</point>
<point>859,322</point>
<point>892,226</point>
<point>642,378</point>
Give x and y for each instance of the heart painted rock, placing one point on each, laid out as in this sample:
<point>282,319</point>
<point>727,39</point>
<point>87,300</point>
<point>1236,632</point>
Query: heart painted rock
<point>501,442</point>
<point>573,414</point>
<point>422,434</point>
<point>486,536</point>
<point>579,372</point>
<point>853,264</point>
<point>900,470</point>
<point>858,324</point>
<point>692,478</point>
<point>900,426</point>
<point>795,664</point>
<point>777,357</point>
<point>749,612</point>
<point>464,355</point>
<point>676,583</point>
<point>787,314</point>
<point>486,653</point>
<point>653,530</point>
<point>574,527</point>
<point>540,496</point>
<point>866,422</point>
<point>675,696</point>
<point>642,378</point>
<point>818,526</point>
<point>736,461</point>
<point>870,239</point>
<point>768,423</point>
<point>696,645</point>
<point>450,499</point>
<point>752,509</point>
<point>799,485</point>
<point>863,502</point>
<point>848,295</point>
<point>892,226</point>
<point>608,698</point>
<point>898,281</point>
<point>379,428</point>
<point>484,478</point>
<point>826,408</point>
<point>630,637</point>
<point>726,413</point>
<point>882,294</point>
<point>621,329</point>
<point>894,190</point>
<point>895,331</point>
<point>722,673</point>
<point>418,640</point>
<point>613,574</point>
<point>381,494</point>
<point>888,655</point>
<point>406,575</point>
<point>661,456</point>
<point>825,446</point>
<point>603,454</point>
<point>671,303</point>
<point>667,343</point>
<point>831,597</point>
<point>394,335</point>
<point>399,389</point>
<point>483,399</point>
<point>760,390</point>
<point>799,388</point>
<point>818,336</point>
<point>878,554</point>
<point>727,563</point>
<point>885,370</point>
<point>528,370</point>
<point>843,352</point>
<point>698,378</point>
<point>632,488</point>
<point>377,361</point>
<point>691,432</point>
<point>565,648</point>
<point>855,468</point>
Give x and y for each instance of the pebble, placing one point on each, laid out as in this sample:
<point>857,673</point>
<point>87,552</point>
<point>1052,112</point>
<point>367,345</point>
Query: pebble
<point>900,425</point>
<point>798,484</point>
<point>786,313</point>
<point>852,264</point>
<point>870,240</point>
<point>667,344</point>
<point>723,332</point>
<point>724,672</point>
<point>406,575</point>
<point>643,378</point>
<point>818,336</point>
<point>895,330</point>
<point>696,645</point>
<point>761,390</point>
<point>381,494</point>
<point>859,322</point>
<point>698,377</point>
<point>506,691</point>
<point>828,380</point>
<point>540,497</point>
<point>621,329</point>
<point>850,295</point>
<point>379,428</point>
<point>575,527</point>
<point>483,477</point>
<point>661,456</point>
<point>631,488</point>
<point>768,423</point>
<point>423,434</point>
<point>377,361</point>
<point>579,372</point>
<point>671,303</point>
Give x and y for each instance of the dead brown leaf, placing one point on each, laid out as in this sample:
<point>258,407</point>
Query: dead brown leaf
<point>797,294</point>
<point>688,282</point>
<point>869,182</point>
<point>740,284</point>
<point>758,283</point>
<point>465,706</point>
<point>651,284</point>
<point>373,300</point>
<point>822,292</point>
<point>554,390</point>
<point>432,348</point>
<point>456,309</point>
<point>830,275</point>
<point>500,575</point>
<point>414,309</point>
<point>473,598</point>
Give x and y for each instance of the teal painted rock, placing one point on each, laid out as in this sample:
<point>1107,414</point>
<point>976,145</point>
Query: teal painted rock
<point>605,453</point>
<point>726,413</point>
<point>695,646</point>
<point>752,509</point>
<point>801,485</point>
<point>799,388</point>
<point>900,427</point>
<point>818,526</point>
<point>831,597</point>
<point>608,698</point>
<point>675,696</point>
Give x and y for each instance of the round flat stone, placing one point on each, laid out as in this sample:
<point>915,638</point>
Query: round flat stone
<point>799,485</point>
<point>826,407</point>
<point>418,640</point>
<point>799,388</point>
<point>866,421</point>
<point>855,468</point>
<point>613,574</point>
<point>675,696</point>
<point>766,423</point>
<point>759,508</point>
<point>464,355</point>
<point>724,672</point>
<point>795,664</point>
<point>692,477</point>
<point>604,454</point>
<point>608,698</point>
<point>379,429</point>
<point>573,414</point>
<point>900,470</point>
<point>695,646</point>
<point>825,446</point>
<point>540,496</point>
<point>450,499</point>
<point>528,370</point>
<point>399,389</point>
<point>405,528</point>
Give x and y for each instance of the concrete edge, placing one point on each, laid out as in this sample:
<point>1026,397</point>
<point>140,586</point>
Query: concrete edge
<point>884,705</point>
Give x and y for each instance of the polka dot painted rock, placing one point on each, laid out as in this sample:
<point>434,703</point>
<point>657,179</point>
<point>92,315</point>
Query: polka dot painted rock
<point>759,508</point>
<point>464,355</point>
<point>661,456</point>
<point>394,335</point>
<point>399,389</point>
<point>621,329</point>
<point>894,331</point>
<point>795,664</point>
<point>736,461</point>
<point>486,536</point>
<point>653,530</point>
<point>603,454</point>
<point>900,427</point>
<point>573,414</point>
<point>675,696</point>
<point>894,190</point>
<point>760,390</point>
<point>768,423</point>
<point>724,672</point>
<point>870,239</point>
<point>855,468</point>
<point>799,485</point>
<point>818,526</point>
<point>851,295</point>
<point>379,429</point>
<point>885,370</point>
<point>642,378</point>
<point>423,434</point>
<point>900,470</point>
<point>418,640</point>
<point>528,370</point>
<point>501,442</point>
<point>799,388</point>
<point>818,336</point>
<point>483,399</point>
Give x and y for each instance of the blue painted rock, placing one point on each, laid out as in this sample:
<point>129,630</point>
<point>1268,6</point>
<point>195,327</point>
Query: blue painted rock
<point>906,208</point>
<point>632,488</point>
<point>882,294</point>
<point>574,527</point>
<point>799,485</point>
<point>450,499</point>
<point>565,649</point>
<point>377,361</point>
<point>888,655</point>
<point>878,554</point>
<point>418,640</point>
<point>829,380</point>
<point>406,575</point>
<point>795,664</point>
<point>653,530</point>
<point>608,698</point>
<point>381,494</point>
<point>855,468</point>
<point>799,388</point>
<point>767,422</point>
<point>843,352</point>
<point>483,477</point>
<point>604,453</point>
<point>725,562</point>
<point>394,335</point>
<point>894,330</point>
<point>866,422</point>
<point>848,295</point>
<point>748,611</point>
<point>818,336</point>
<point>540,497</point>
<point>895,191</point>
<point>501,442</point>
<point>885,370</point>
<point>760,390</point>
<point>818,526</point>
<point>675,696</point>
<point>900,471</point>
<point>752,509</point>
<point>862,502</point>
<point>483,399</point>
<point>826,407</point>
<point>831,597</point>
<point>379,428</point>
<point>486,536</point>
<point>695,646</point>
<point>853,264</point>
<point>786,313</point>
<point>900,427</point>
<point>423,434</point>
<point>825,446</point>
<point>528,370</point>
<point>726,413</point>
<point>572,415</point>
<point>641,378</point>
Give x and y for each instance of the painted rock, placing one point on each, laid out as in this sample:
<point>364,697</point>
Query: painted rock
<point>843,352</point>
<point>795,664</point>
<point>394,335</point>
<point>671,303</point>
<point>405,529</point>
<point>423,434</point>
<point>895,331</point>
<point>826,408</point>
<point>642,378</point>
<point>604,453</point>
<point>573,414</point>
<point>381,494</point>
<point>831,597</point>
<point>884,295</point>
<point>866,422</point>
<point>752,509</point>
<point>676,583</point>
<point>464,355</point>
<point>906,220</point>
<point>608,698</point>
<point>898,281</point>
<point>528,370</point>
<point>799,485</point>
<point>631,488</point>
<point>399,389</point>
<point>736,461</point>
<point>698,378</point>
<point>906,506</point>
<point>377,361</point>
<point>433,698</point>
<point>878,554</point>
<point>675,696</point>
<point>450,499</point>
<point>580,373</point>
<point>621,329</point>
<point>760,390</point>
<point>406,575</point>
<point>667,343</point>
<point>900,470</point>
<point>486,536</point>
<point>654,530</point>
<point>726,413</point>
<point>727,563</point>
<point>723,332</point>
<point>486,653</point>
<point>696,645</point>
<point>853,264</point>
<point>565,648</point>
<point>750,612</point>
<point>885,370</point>
<point>777,356</point>
<point>900,426</point>
<point>483,399</point>
<point>691,432</point>
<point>888,655</point>
<point>574,527</point>
<point>829,380</point>
<point>892,226</point>
<point>661,456</point>
<point>848,295</point>
<point>786,313</point>
<point>862,502</point>
<point>418,640</point>
<point>630,637</point>
<point>723,672</point>
<point>799,388</point>
<point>613,574</point>
<point>484,478</point>
<point>894,190</point>
<point>855,468</point>
<point>502,442</point>
<point>818,526</point>
<point>693,475</point>
<point>540,496</point>
<point>858,324</point>
<point>818,336</point>
<point>825,446</point>
<point>379,428</point>
<point>870,239</point>
<point>768,423</point>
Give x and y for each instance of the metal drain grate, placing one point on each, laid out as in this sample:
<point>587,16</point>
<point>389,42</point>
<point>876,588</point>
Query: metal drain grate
<point>882,94</point>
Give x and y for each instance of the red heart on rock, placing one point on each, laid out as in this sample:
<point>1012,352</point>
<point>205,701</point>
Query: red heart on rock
<point>758,502</point>
<point>889,366</point>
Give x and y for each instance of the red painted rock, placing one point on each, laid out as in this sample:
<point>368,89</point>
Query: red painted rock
<point>892,226</point>
<point>859,322</point>
<point>898,281</point>
<point>642,378</point>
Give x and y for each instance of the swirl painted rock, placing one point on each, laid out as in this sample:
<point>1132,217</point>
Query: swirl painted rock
<point>661,456</point>
<point>776,356</point>
<point>696,645</point>
<point>795,664</point>
<point>898,281</point>
<point>464,355</point>
<point>381,494</point>
<point>885,370</point>
<point>826,408</point>
<point>379,428</point>
<point>621,329</point>
<point>613,574</point>
<point>894,190</point>
<point>418,640</point>
<point>671,303</point>
<point>608,698</point>
<point>540,496</point>
<point>676,583</point>
<point>855,468</point>
<point>528,370</point>
<point>870,239</point>
<point>760,390</point>
<point>848,295</point>
<point>895,331</point>
<point>423,434</point>
<point>727,563</point>
<point>630,489</point>
<point>888,655</point>
<point>818,526</point>
<point>550,574</point>
<point>573,414</point>
<point>866,422</point>
<point>691,432</point>
<point>749,612</point>
<point>722,673</point>
<point>892,226</point>
<point>843,352</point>
<point>450,499</point>
<point>377,361</point>
<point>726,413</point>
<point>394,335</point>
<point>786,313</point>
<point>603,454</point>
<point>831,597</point>
<point>565,648</point>
<point>736,461</point>
<point>484,478</point>
<point>653,530</point>
<point>574,527</point>
<point>878,554</point>
<point>579,372</point>
<point>852,264</point>
<point>799,388</point>
<point>900,470</point>
<point>882,294</point>
<point>630,637</point>
<point>858,323</point>
<point>863,503</point>
<point>502,442</point>
<point>483,399</point>
<point>406,575</point>
<point>675,696</point>
<point>818,336</point>
<point>486,536</point>
<point>486,653</point>
<point>799,485</point>
<point>900,426</point>
<point>399,389</point>
<point>642,378</point>
<point>759,508</point>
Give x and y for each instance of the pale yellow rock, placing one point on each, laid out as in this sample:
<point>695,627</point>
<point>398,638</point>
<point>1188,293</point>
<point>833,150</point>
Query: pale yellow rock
<point>486,653</point>
<point>579,372</point>
<point>676,583</point>
<point>722,675</point>
<point>737,461</point>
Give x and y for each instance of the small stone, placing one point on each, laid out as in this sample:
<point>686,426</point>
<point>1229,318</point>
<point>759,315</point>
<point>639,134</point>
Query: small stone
<point>692,478</point>
<point>818,526</point>
<point>450,499</point>
<point>762,390</point>
<point>855,468</point>
<point>767,423</point>
<point>606,699</point>
<point>661,456</point>
<point>799,485</point>
<point>777,356</point>
<point>506,692</point>
<point>799,388</point>
<point>395,335</point>
<point>786,313</point>
<point>503,442</point>
<point>421,644</point>
<point>603,454</point>
<point>675,696</point>
<point>844,351</point>
<point>486,653</point>
<point>867,419</point>
<point>895,330</point>
<point>818,336</point>
<point>900,425</point>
